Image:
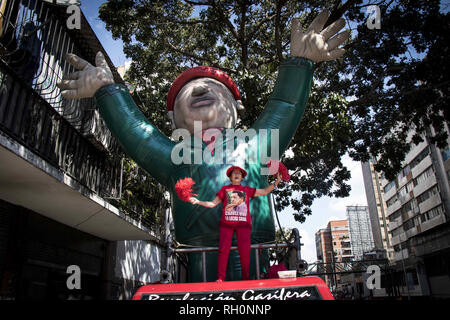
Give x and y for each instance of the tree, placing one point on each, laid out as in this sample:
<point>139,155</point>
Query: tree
<point>142,196</point>
<point>399,79</point>
<point>282,235</point>
<point>249,39</point>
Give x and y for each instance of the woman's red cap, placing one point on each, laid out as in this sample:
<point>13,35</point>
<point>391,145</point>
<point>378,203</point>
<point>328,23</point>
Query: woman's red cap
<point>244,173</point>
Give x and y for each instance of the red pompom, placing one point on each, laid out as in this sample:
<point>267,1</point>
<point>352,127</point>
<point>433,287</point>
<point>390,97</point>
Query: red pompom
<point>276,167</point>
<point>183,188</point>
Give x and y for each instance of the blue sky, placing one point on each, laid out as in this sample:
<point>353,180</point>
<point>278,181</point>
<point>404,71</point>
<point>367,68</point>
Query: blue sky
<point>323,209</point>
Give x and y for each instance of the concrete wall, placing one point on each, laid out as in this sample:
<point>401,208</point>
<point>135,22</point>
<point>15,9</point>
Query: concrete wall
<point>138,261</point>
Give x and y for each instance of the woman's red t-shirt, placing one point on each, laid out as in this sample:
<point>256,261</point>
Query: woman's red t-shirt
<point>236,207</point>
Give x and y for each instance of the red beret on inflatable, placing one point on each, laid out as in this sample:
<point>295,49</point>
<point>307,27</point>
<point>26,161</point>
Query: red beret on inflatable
<point>244,173</point>
<point>200,72</point>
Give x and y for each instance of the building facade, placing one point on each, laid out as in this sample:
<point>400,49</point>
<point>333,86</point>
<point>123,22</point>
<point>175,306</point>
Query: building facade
<point>377,210</point>
<point>333,246</point>
<point>60,170</point>
<point>417,210</point>
<point>361,239</point>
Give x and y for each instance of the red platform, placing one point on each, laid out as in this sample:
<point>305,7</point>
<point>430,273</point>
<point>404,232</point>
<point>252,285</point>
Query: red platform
<point>302,288</point>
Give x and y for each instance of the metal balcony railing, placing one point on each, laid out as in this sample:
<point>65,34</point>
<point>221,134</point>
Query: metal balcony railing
<point>34,40</point>
<point>68,134</point>
<point>293,242</point>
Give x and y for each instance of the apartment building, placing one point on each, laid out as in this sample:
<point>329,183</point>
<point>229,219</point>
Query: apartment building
<point>417,208</point>
<point>333,246</point>
<point>361,239</point>
<point>377,210</point>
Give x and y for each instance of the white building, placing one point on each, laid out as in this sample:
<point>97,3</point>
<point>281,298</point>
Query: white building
<point>360,231</point>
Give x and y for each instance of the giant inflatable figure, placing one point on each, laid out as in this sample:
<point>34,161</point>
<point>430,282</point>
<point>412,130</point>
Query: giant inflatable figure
<point>209,96</point>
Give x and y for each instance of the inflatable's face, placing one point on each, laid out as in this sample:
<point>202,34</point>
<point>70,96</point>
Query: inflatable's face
<point>206,100</point>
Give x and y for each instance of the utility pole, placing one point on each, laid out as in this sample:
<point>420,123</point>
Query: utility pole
<point>404,271</point>
<point>334,269</point>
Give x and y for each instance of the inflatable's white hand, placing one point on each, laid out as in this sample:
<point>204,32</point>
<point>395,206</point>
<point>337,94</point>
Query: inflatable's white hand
<point>316,44</point>
<point>85,82</point>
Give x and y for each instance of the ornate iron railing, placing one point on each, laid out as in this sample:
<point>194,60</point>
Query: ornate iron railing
<point>29,119</point>
<point>69,134</point>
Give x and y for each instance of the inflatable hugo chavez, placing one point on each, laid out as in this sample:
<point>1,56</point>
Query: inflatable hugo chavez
<point>209,95</point>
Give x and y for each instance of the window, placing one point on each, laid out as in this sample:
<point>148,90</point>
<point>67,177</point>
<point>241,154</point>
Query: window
<point>405,171</point>
<point>409,187</point>
<point>445,154</point>
<point>406,207</point>
<point>419,158</point>
<point>391,201</point>
<point>389,186</point>
<point>412,278</point>
<point>402,192</point>
<point>395,215</point>
<point>408,225</point>
<point>423,176</point>
<point>427,194</point>
<point>430,214</point>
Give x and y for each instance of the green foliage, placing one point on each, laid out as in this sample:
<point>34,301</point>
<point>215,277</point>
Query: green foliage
<point>399,78</point>
<point>396,77</point>
<point>142,197</point>
<point>281,236</point>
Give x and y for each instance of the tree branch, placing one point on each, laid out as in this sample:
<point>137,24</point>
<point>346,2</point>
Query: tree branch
<point>279,51</point>
<point>368,96</point>
<point>258,25</point>
<point>196,3</point>
<point>199,59</point>
<point>338,11</point>
<point>227,21</point>
<point>242,41</point>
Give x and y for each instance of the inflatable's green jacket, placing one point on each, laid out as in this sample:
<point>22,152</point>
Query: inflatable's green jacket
<point>152,150</point>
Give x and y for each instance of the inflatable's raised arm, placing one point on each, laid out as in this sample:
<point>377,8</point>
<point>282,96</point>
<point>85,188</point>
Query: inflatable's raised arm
<point>210,96</point>
<point>287,103</point>
<point>142,141</point>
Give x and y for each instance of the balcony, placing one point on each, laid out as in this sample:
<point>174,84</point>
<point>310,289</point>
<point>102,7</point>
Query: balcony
<point>57,157</point>
<point>390,193</point>
<point>419,168</point>
<point>394,207</point>
<point>401,255</point>
<point>433,222</point>
<point>425,185</point>
<point>395,224</point>
<point>416,150</point>
<point>430,203</point>
<point>405,198</point>
<point>395,240</point>
<point>411,232</point>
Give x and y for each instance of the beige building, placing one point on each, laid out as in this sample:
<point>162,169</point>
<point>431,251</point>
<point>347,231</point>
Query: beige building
<point>333,245</point>
<point>377,210</point>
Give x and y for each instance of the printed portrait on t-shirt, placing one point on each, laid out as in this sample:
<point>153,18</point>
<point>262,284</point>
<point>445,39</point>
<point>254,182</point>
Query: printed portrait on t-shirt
<point>236,207</point>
